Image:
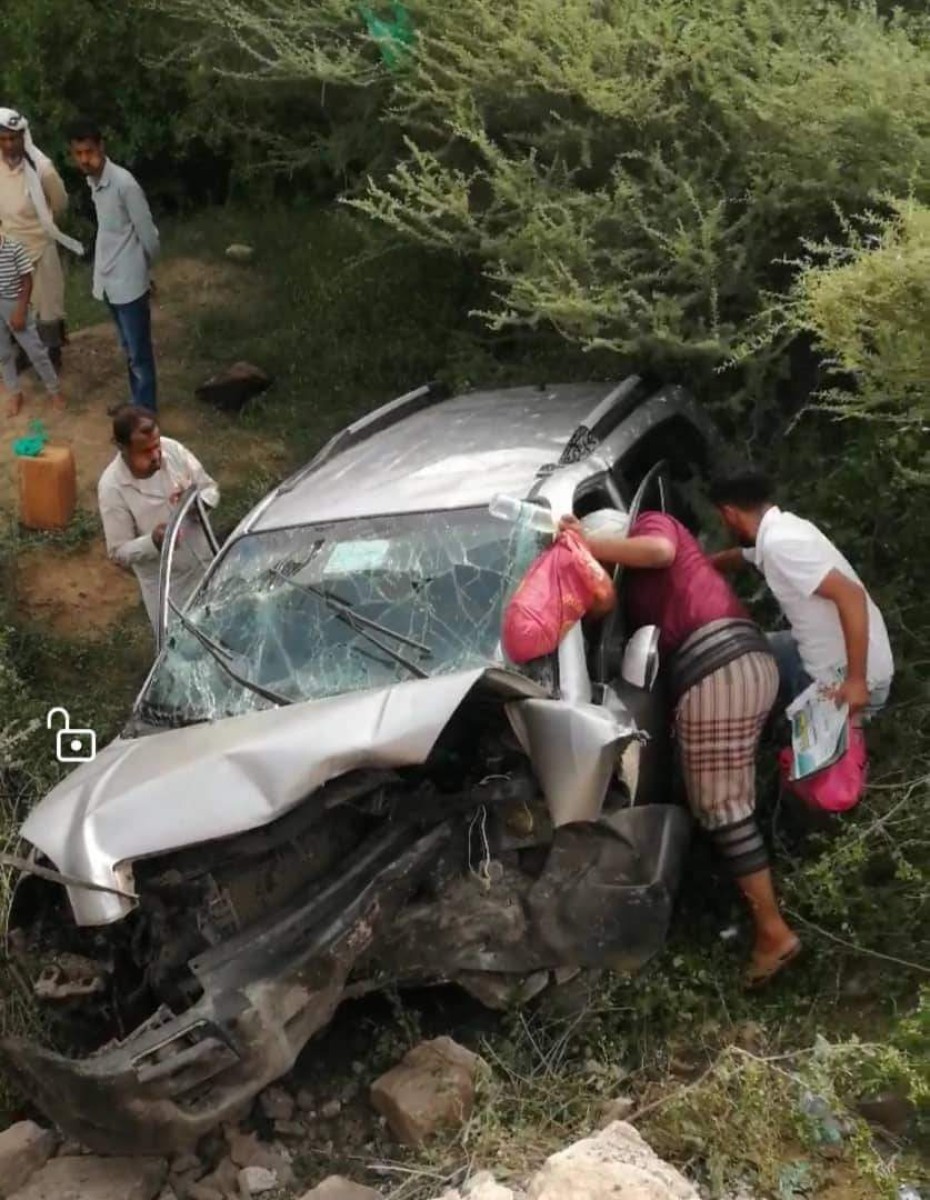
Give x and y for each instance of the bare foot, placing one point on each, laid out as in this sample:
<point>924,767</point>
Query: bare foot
<point>58,402</point>
<point>14,405</point>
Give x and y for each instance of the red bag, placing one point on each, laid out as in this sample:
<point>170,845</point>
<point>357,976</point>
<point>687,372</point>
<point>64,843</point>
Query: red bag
<point>564,583</point>
<point>836,788</point>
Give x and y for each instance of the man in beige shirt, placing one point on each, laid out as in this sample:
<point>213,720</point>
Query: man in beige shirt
<point>137,494</point>
<point>32,199</point>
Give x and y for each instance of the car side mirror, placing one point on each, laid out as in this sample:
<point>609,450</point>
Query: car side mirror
<point>640,664</point>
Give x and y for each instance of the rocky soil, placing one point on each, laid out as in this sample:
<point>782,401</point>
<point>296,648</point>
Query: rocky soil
<point>430,1091</point>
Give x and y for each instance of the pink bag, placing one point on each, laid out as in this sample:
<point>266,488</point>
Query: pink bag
<point>836,788</point>
<point>564,583</point>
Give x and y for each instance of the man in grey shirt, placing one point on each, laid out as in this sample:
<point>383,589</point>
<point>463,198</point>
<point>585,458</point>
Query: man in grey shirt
<point>127,245</point>
<point>137,494</point>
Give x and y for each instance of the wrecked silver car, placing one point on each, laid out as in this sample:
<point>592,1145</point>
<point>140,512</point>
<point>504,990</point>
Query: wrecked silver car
<point>332,780</point>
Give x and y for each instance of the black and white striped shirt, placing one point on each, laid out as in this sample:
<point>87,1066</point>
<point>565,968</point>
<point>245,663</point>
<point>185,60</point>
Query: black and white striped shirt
<point>14,264</point>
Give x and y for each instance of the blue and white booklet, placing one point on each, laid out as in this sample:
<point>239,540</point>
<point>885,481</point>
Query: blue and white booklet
<point>819,730</point>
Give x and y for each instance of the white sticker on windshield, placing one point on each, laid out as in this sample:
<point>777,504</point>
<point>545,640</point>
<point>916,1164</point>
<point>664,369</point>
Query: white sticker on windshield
<point>348,557</point>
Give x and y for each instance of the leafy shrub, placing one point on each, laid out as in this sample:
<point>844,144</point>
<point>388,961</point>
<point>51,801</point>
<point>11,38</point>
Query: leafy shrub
<point>628,174</point>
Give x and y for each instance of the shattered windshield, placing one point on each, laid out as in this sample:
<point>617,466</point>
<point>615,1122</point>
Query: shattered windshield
<point>320,610</point>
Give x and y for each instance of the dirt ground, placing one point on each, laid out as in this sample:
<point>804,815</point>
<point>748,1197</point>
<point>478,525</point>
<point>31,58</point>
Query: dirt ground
<point>81,592</point>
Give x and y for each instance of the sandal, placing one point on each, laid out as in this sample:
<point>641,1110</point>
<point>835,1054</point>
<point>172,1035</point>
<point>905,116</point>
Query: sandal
<point>764,971</point>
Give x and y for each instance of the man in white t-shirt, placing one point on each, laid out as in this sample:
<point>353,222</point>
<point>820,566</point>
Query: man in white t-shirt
<point>838,634</point>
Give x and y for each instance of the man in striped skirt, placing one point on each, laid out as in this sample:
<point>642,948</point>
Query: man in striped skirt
<point>18,325</point>
<point>724,681</point>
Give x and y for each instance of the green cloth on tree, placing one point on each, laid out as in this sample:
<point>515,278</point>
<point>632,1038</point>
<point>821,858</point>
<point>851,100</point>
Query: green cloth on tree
<point>394,37</point>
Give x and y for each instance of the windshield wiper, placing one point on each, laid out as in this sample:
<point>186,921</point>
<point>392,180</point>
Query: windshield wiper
<point>333,600</point>
<point>222,654</point>
<point>362,625</point>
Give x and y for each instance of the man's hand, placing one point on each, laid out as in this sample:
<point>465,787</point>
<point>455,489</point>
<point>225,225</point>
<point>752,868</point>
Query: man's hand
<point>570,522</point>
<point>727,561</point>
<point>18,320</point>
<point>158,534</point>
<point>855,693</point>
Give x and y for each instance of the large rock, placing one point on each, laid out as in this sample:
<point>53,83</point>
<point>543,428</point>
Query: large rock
<point>232,389</point>
<point>337,1187</point>
<point>616,1163</point>
<point>432,1088</point>
<point>24,1148</point>
<point>91,1178</point>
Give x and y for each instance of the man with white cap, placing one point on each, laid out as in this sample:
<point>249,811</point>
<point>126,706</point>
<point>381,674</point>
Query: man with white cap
<point>32,199</point>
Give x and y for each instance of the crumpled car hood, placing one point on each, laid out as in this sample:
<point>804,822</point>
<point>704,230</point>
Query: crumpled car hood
<point>144,797</point>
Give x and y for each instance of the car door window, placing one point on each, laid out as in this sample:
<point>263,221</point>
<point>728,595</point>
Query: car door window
<point>650,496</point>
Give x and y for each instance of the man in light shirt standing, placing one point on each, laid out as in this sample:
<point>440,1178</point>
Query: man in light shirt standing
<point>838,635</point>
<point>32,200</point>
<point>127,245</point>
<point>137,493</point>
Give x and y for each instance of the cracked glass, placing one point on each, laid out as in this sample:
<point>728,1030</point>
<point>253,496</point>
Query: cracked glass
<point>323,610</point>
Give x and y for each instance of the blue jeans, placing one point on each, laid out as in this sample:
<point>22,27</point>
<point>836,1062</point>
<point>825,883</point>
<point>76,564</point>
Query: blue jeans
<point>793,679</point>
<point>134,326</point>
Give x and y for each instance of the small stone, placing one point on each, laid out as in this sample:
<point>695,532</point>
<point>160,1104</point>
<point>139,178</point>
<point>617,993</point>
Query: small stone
<point>70,1148</point>
<point>749,1035</point>
<point>621,1108</point>
<point>88,1177</point>
<point>331,1109</point>
<point>277,1104</point>
<point>433,1087</point>
<point>337,1187</point>
<point>202,1191</point>
<point>254,1181</point>
<point>240,252</point>
<point>293,1131</point>
<point>224,1179</point>
<point>24,1149</point>
<point>168,1194</point>
<point>306,1101</point>
<point>484,1186</point>
<point>184,1164</point>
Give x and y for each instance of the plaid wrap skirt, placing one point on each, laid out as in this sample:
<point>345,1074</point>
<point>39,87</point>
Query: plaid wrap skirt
<point>718,723</point>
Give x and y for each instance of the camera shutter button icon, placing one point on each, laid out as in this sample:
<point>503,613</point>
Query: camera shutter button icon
<point>72,745</point>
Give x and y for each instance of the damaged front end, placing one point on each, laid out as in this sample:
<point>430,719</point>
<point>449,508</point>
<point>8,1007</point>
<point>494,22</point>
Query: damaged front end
<point>468,856</point>
<point>468,829</point>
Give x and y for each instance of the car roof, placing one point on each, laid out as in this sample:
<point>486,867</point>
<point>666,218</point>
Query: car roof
<point>457,453</point>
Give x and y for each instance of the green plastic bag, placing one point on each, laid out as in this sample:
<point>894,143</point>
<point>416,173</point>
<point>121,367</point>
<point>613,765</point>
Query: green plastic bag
<point>394,37</point>
<point>32,444</point>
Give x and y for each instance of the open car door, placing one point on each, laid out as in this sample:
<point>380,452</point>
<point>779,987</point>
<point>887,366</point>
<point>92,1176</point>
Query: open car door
<point>652,494</point>
<point>188,549</point>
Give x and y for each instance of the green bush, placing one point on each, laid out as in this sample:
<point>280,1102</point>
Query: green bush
<point>627,174</point>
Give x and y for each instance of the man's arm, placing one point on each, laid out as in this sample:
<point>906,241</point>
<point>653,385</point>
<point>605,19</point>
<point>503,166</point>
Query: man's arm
<point>728,562</point>
<point>124,546</point>
<point>141,217</point>
<point>853,607</point>
<point>20,313</point>
<point>641,550</point>
<point>54,189</point>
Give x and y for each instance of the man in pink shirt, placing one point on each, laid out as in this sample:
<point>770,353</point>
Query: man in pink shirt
<point>724,681</point>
